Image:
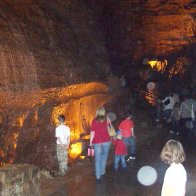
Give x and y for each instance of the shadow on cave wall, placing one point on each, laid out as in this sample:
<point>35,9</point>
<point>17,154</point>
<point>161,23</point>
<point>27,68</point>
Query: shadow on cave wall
<point>36,141</point>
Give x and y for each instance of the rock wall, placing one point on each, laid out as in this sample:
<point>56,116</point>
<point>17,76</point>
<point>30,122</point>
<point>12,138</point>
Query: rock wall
<point>138,29</point>
<point>55,57</point>
<point>49,44</point>
<point>51,52</point>
<point>21,180</point>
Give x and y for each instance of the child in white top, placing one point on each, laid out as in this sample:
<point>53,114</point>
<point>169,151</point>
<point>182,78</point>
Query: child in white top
<point>62,133</point>
<point>175,177</point>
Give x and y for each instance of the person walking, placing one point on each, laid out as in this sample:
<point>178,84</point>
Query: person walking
<point>62,133</point>
<point>168,105</point>
<point>100,139</point>
<point>187,112</point>
<point>126,128</point>
<point>120,151</point>
<point>175,178</point>
<point>175,119</point>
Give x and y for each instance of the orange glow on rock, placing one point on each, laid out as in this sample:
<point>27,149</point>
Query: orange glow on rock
<point>180,67</point>
<point>21,120</point>
<point>159,66</point>
<point>39,110</point>
<point>75,150</point>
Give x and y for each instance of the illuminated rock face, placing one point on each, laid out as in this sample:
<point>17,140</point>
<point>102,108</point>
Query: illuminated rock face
<point>50,52</point>
<point>28,123</point>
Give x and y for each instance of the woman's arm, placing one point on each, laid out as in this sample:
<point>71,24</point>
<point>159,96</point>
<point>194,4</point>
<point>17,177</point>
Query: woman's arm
<point>92,134</point>
<point>133,134</point>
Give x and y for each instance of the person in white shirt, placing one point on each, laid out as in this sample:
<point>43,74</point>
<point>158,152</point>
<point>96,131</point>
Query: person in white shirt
<point>176,98</point>
<point>175,176</point>
<point>168,105</point>
<point>62,133</point>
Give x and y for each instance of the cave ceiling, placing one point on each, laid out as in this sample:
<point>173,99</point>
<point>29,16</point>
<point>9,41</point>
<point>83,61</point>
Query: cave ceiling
<point>137,29</point>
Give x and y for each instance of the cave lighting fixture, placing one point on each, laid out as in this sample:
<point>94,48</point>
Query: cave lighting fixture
<point>158,65</point>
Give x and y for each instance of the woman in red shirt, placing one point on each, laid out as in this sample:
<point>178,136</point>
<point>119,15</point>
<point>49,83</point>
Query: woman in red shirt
<point>100,139</point>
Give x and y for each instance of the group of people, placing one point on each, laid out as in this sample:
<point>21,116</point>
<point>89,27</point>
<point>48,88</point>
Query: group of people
<point>125,146</point>
<point>124,142</point>
<point>181,112</point>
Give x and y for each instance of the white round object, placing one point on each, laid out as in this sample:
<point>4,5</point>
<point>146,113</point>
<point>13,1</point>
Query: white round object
<point>151,86</point>
<point>112,116</point>
<point>147,175</point>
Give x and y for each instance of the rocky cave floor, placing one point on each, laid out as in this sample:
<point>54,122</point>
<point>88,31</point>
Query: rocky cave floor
<point>151,136</point>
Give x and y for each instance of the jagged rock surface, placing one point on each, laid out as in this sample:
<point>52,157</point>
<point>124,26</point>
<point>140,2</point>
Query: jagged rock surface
<point>46,46</point>
<point>147,29</point>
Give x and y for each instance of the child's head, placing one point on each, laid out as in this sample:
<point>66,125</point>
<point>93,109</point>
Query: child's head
<point>118,135</point>
<point>173,152</point>
<point>61,118</point>
<point>128,115</point>
<point>100,114</point>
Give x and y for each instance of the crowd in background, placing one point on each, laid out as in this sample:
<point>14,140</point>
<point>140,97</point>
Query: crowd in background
<point>179,111</point>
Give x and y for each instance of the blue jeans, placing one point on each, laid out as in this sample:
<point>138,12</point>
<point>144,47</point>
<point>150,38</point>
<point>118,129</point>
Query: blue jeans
<point>117,160</point>
<point>167,114</point>
<point>158,112</point>
<point>176,125</point>
<point>131,146</point>
<point>101,156</point>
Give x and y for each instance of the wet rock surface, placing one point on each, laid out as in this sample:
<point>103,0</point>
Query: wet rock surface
<point>21,179</point>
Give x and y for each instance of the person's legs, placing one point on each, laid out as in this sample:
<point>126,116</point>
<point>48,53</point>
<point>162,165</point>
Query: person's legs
<point>126,141</point>
<point>168,114</point>
<point>132,146</point>
<point>158,114</point>
<point>177,126</point>
<point>123,162</point>
<point>182,126</point>
<point>62,157</point>
<point>194,126</point>
<point>116,162</point>
<point>104,156</point>
<point>98,152</point>
<point>185,131</point>
<point>164,114</point>
<point>173,126</point>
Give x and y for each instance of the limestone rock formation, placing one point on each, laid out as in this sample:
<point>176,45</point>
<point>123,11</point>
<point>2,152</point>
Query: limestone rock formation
<point>138,29</point>
<point>49,44</point>
<point>49,52</point>
<point>55,57</point>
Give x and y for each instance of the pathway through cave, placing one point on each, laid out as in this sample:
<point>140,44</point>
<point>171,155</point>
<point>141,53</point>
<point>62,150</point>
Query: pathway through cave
<point>126,183</point>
